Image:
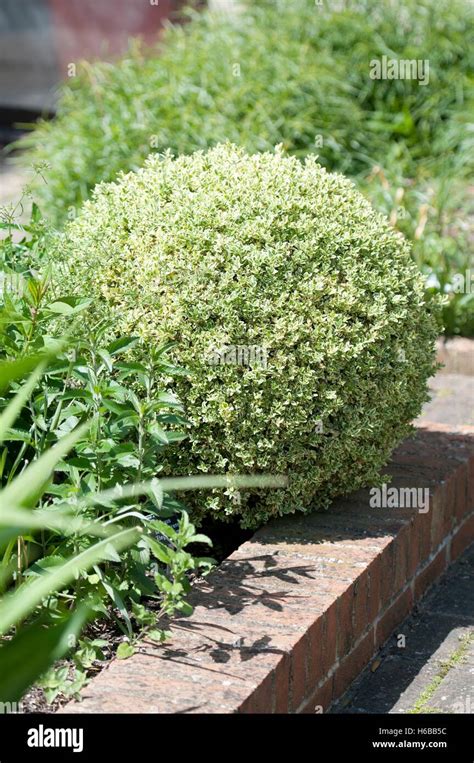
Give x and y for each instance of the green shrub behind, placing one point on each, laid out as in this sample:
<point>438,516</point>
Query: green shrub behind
<point>210,81</point>
<point>295,73</point>
<point>278,72</point>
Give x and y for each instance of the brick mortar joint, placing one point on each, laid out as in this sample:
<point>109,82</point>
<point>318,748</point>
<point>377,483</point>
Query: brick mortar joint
<point>410,585</point>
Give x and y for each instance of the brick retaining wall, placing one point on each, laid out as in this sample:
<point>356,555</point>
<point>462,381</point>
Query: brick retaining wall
<point>293,615</point>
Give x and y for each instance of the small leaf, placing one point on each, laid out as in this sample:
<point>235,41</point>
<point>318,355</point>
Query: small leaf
<point>122,344</point>
<point>107,358</point>
<point>159,550</point>
<point>185,608</point>
<point>157,635</point>
<point>199,538</point>
<point>61,308</point>
<point>156,493</point>
<point>125,650</point>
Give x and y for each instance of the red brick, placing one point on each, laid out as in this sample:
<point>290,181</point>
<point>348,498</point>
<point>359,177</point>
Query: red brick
<point>463,538</point>
<point>321,699</point>
<point>414,546</point>
<point>360,605</point>
<point>401,573</point>
<point>470,485</point>
<point>261,699</point>
<point>424,536</point>
<point>298,680</point>
<point>439,511</point>
<point>393,616</point>
<point>345,632</point>
<point>461,493</point>
<point>353,664</point>
<point>282,685</point>
<point>450,502</point>
<point>329,638</point>
<point>316,665</point>
<point>429,574</point>
<point>374,591</point>
<point>388,575</point>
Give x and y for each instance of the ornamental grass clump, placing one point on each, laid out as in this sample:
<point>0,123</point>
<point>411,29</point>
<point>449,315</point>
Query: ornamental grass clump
<point>295,307</point>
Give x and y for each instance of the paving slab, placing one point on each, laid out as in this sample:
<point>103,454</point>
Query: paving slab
<point>457,355</point>
<point>455,693</point>
<point>427,666</point>
<point>452,400</point>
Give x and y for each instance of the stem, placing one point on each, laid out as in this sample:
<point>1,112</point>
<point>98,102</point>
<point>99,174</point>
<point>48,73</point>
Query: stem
<point>59,407</point>
<point>17,462</point>
<point>18,560</point>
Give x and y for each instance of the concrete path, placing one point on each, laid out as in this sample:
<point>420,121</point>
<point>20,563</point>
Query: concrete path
<point>452,400</point>
<point>427,666</point>
<point>12,180</point>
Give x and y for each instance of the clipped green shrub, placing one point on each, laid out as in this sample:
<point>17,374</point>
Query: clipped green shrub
<point>286,274</point>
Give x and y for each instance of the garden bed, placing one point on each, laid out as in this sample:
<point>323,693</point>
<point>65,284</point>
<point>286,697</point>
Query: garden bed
<point>227,537</point>
<point>295,613</point>
<point>229,329</point>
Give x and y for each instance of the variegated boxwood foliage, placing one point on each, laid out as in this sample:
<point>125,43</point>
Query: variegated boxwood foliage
<point>225,250</point>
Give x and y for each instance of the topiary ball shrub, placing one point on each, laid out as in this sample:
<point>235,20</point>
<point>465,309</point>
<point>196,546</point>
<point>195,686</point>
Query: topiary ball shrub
<point>295,307</point>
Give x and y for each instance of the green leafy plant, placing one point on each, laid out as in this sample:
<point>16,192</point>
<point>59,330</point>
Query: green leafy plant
<point>24,656</point>
<point>41,618</point>
<point>210,80</point>
<point>289,260</point>
<point>435,215</point>
<point>84,520</point>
